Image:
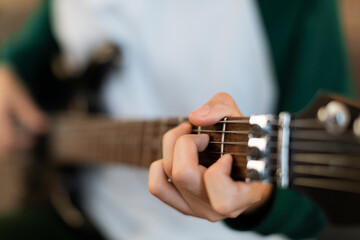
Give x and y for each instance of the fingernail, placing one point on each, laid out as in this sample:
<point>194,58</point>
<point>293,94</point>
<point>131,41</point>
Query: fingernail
<point>202,111</point>
<point>226,157</point>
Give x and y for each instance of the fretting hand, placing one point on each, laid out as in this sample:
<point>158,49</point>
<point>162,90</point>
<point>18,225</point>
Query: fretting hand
<point>20,119</point>
<point>179,181</point>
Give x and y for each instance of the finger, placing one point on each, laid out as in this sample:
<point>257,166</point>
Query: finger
<point>160,187</point>
<point>186,171</point>
<point>200,206</point>
<point>225,195</point>
<point>29,114</point>
<point>169,140</point>
<point>187,175</point>
<point>219,106</point>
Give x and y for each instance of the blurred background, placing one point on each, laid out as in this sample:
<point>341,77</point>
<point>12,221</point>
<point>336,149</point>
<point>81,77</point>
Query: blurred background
<point>14,12</point>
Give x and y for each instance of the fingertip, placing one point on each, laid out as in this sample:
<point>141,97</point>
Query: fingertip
<point>202,116</point>
<point>225,163</point>
<point>186,126</point>
<point>226,158</point>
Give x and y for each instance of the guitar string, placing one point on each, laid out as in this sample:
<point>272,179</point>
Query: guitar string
<point>327,159</point>
<point>306,146</point>
<point>297,146</point>
<point>299,133</point>
<point>329,184</point>
<point>245,164</point>
<point>229,142</point>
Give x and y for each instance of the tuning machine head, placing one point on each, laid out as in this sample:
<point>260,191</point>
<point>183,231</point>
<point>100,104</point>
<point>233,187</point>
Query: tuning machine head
<point>335,116</point>
<point>258,161</point>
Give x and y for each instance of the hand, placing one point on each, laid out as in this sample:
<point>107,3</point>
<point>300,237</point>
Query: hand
<point>20,119</point>
<point>208,193</point>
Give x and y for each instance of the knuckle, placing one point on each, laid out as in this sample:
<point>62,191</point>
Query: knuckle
<point>183,140</point>
<point>155,188</point>
<point>183,176</point>
<point>213,217</point>
<point>209,174</point>
<point>169,136</point>
<point>167,166</point>
<point>233,215</point>
<point>224,98</point>
<point>185,143</point>
<point>223,207</point>
<point>185,213</point>
<point>256,196</point>
<point>154,185</point>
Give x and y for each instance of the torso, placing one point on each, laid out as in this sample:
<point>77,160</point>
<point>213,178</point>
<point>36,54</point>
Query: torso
<point>177,55</point>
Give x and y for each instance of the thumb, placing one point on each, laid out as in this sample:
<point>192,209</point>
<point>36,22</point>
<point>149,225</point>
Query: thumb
<point>219,106</point>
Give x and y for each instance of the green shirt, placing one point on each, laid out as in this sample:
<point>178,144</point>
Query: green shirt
<point>308,53</point>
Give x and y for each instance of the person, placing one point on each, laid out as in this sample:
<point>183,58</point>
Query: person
<point>176,56</point>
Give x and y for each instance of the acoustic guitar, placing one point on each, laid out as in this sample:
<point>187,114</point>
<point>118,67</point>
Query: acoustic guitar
<point>316,152</point>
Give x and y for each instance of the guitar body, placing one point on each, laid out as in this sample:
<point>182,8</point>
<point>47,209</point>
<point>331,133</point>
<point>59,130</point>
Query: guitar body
<point>323,161</point>
<point>80,140</point>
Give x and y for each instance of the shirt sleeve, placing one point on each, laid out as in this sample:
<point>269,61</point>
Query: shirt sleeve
<point>29,53</point>
<point>288,213</point>
<point>308,50</point>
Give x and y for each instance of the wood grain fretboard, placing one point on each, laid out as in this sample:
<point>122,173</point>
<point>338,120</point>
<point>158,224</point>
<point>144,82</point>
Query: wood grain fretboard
<point>79,140</point>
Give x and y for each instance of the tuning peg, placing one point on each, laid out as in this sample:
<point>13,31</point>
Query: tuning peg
<point>256,168</point>
<point>335,116</point>
<point>260,125</point>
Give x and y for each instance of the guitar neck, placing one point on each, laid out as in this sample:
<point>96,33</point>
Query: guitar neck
<point>95,140</point>
<point>263,148</point>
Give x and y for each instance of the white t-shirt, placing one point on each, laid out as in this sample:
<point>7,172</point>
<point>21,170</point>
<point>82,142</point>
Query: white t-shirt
<point>177,55</point>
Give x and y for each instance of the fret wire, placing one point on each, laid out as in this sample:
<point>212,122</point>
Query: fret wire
<point>223,137</point>
<point>198,130</point>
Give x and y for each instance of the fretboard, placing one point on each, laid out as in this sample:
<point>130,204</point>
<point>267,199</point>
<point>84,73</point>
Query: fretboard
<point>94,140</point>
<point>315,158</point>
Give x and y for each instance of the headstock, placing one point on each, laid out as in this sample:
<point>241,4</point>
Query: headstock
<point>316,151</point>
<point>335,112</point>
